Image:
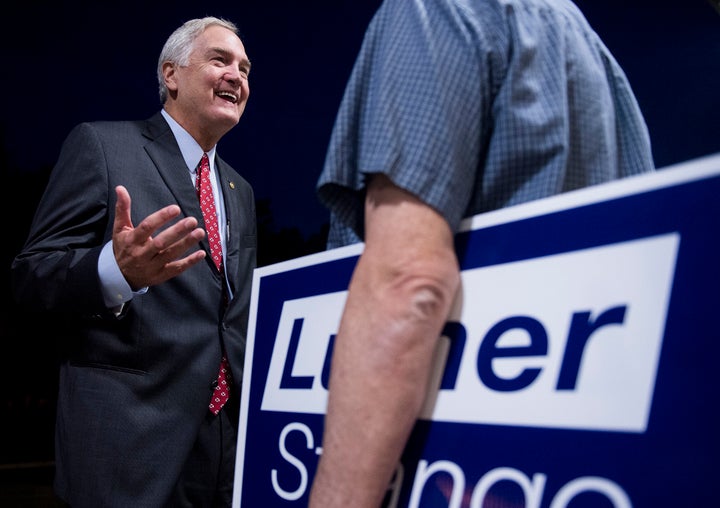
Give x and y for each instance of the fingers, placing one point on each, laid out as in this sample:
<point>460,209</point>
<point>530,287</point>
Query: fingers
<point>178,266</point>
<point>122,210</point>
<point>167,265</point>
<point>151,223</point>
<point>178,239</point>
<point>157,219</point>
<point>151,252</point>
<point>184,232</point>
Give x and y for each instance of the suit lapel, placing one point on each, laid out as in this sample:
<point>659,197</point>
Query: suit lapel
<point>231,198</point>
<point>165,153</point>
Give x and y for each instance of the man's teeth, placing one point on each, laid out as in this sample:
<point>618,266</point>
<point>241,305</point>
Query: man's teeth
<point>227,95</point>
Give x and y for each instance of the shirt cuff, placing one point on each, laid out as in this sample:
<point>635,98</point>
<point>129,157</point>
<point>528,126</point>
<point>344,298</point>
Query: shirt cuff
<point>116,291</point>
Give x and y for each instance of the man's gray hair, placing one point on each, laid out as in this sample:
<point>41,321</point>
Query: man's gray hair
<point>179,45</point>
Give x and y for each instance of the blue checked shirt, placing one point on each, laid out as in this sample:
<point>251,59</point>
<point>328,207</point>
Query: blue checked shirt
<point>474,105</point>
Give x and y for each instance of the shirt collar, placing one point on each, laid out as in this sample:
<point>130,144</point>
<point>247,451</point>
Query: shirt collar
<point>189,148</point>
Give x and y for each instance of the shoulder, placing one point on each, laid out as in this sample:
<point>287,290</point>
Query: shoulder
<point>108,129</point>
<point>153,126</point>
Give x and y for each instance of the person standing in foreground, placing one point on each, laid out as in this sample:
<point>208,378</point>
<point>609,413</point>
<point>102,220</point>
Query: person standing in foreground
<point>453,108</point>
<point>144,314</point>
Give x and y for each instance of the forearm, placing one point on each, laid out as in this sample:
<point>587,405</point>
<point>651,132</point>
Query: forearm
<point>375,396</point>
<point>380,373</point>
<point>399,298</point>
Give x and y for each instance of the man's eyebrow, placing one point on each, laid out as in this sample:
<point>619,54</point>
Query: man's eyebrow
<point>227,54</point>
<point>218,50</point>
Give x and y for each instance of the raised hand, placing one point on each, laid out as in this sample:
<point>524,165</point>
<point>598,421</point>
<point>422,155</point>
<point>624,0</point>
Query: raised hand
<point>145,260</point>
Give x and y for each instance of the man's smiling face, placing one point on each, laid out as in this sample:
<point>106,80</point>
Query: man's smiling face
<point>208,96</point>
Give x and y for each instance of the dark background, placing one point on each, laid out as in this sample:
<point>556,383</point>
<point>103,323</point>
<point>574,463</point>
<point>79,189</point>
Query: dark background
<point>64,63</point>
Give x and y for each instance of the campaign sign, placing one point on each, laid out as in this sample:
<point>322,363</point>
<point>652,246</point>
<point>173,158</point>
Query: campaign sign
<point>579,367</point>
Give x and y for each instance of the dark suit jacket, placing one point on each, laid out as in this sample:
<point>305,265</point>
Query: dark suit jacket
<point>134,389</point>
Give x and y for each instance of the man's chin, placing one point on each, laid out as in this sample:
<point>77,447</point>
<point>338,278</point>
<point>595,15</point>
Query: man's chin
<point>229,118</point>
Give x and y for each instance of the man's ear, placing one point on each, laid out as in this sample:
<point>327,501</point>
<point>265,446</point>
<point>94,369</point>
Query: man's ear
<point>169,75</point>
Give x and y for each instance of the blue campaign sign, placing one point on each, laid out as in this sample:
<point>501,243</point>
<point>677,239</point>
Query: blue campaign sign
<point>577,369</point>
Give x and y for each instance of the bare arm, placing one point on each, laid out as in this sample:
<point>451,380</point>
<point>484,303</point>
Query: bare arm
<point>399,299</point>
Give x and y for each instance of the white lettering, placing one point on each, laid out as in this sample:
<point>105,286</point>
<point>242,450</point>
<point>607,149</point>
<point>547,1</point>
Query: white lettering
<point>297,493</point>
<point>533,489</point>
<point>424,473</point>
<point>591,484</point>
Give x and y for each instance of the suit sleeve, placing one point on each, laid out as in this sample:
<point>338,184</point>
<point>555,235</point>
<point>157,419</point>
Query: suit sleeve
<point>56,270</point>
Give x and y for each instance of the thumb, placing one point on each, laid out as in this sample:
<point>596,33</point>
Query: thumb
<point>122,210</point>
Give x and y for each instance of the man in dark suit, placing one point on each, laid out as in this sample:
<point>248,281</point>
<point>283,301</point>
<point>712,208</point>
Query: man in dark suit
<point>118,254</point>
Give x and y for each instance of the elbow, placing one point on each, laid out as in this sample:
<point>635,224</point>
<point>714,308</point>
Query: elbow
<point>430,299</point>
<point>428,294</point>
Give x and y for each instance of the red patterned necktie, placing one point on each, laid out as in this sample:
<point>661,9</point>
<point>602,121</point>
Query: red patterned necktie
<point>207,205</point>
<point>221,394</point>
